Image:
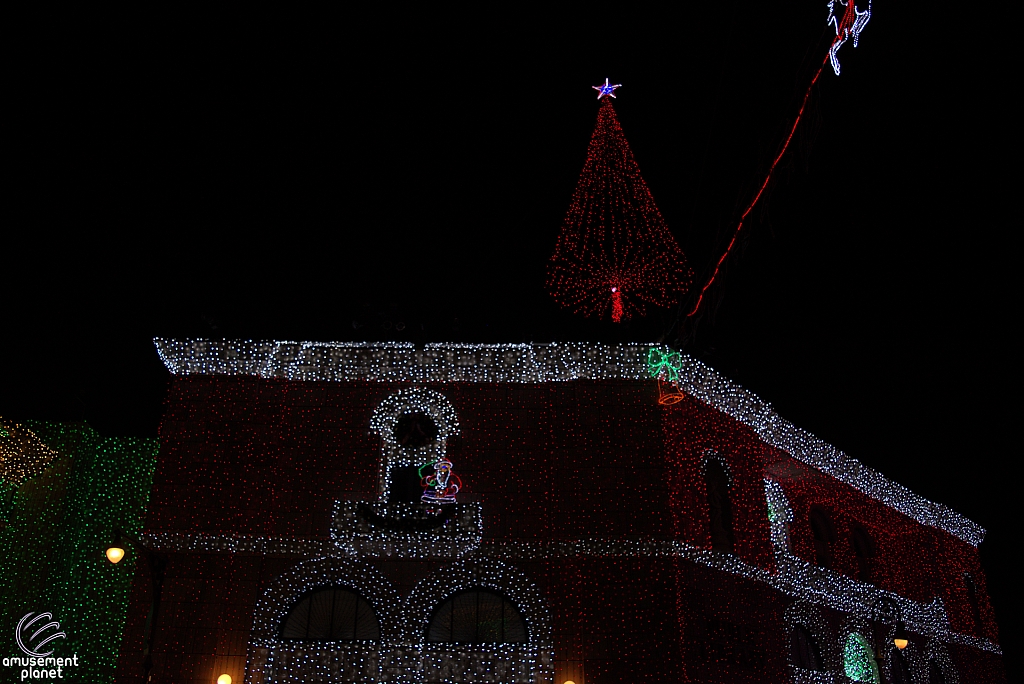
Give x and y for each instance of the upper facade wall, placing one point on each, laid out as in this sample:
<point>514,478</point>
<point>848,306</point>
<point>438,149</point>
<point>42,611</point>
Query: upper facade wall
<point>553,461</point>
<point>269,458</point>
<point>547,363</point>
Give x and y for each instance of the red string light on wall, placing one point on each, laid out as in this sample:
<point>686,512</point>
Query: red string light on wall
<point>615,256</point>
<point>267,447</point>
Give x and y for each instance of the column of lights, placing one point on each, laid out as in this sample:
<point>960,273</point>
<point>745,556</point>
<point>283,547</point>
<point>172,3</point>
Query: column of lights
<point>505,422</point>
<point>614,256</point>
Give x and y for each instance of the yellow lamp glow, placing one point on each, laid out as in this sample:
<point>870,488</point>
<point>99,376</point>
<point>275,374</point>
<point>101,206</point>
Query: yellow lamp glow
<point>900,643</point>
<point>115,554</point>
<point>224,679</point>
<point>569,681</point>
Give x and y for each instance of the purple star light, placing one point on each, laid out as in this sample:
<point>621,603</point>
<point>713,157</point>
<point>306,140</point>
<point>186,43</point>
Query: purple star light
<point>606,89</point>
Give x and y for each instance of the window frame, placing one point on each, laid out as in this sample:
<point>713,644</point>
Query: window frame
<point>335,589</point>
<point>449,602</point>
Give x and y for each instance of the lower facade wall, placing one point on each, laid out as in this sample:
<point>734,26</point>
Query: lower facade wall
<point>977,666</point>
<point>733,628</point>
<point>612,619</point>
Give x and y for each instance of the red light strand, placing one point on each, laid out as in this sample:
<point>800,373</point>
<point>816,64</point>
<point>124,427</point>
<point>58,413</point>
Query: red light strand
<point>760,191</point>
<point>615,254</point>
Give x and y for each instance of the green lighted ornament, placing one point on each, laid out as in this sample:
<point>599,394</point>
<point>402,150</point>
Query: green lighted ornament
<point>664,366</point>
<point>858,662</point>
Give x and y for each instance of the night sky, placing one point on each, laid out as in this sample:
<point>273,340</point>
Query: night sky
<point>329,178</point>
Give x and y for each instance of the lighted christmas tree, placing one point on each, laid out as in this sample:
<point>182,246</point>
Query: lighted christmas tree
<point>615,256</point>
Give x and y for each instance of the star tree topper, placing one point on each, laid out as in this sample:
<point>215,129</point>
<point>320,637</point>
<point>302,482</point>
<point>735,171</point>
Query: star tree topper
<point>606,89</point>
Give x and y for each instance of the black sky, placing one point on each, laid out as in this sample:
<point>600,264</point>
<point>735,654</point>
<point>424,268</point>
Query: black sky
<point>329,177</point>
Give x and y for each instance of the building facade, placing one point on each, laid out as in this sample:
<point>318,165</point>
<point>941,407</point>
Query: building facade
<point>528,513</point>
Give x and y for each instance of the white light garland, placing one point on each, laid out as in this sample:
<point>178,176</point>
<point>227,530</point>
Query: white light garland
<point>356,534</point>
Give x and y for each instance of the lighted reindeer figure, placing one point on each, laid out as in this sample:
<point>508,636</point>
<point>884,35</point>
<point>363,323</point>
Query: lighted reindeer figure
<point>852,23</point>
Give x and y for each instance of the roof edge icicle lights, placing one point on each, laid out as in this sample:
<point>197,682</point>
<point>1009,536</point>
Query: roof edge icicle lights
<point>537,363</point>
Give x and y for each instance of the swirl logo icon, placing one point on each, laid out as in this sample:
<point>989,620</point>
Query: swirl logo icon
<point>33,637</point>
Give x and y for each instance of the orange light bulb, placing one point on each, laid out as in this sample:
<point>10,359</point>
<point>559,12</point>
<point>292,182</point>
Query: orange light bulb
<point>115,554</point>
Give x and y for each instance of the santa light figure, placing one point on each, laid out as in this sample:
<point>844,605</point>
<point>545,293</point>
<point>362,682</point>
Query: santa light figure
<point>442,486</point>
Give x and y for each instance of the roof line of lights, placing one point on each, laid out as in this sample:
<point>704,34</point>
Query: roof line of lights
<point>444,362</point>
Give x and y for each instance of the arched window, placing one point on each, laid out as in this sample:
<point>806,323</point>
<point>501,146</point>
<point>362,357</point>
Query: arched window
<point>972,599</point>
<point>824,536</point>
<point>864,550</point>
<point>935,674</point>
<point>477,616</point>
<point>332,614</point>
<point>805,651</point>
<point>719,507</point>
<point>412,431</point>
<point>415,430</point>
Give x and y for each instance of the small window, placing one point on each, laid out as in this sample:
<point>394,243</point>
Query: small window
<point>332,614</point>
<point>973,600</point>
<point>864,550</point>
<point>477,616</point>
<point>805,651</point>
<point>719,506</point>
<point>415,430</point>
<point>824,536</point>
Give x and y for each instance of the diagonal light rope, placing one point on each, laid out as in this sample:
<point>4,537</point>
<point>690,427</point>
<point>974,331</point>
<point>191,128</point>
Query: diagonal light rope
<point>760,191</point>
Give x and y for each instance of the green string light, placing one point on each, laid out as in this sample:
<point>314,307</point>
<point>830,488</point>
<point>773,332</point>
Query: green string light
<point>858,661</point>
<point>56,525</point>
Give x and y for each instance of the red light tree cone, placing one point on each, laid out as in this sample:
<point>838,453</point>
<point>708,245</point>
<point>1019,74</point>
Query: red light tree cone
<point>615,256</point>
